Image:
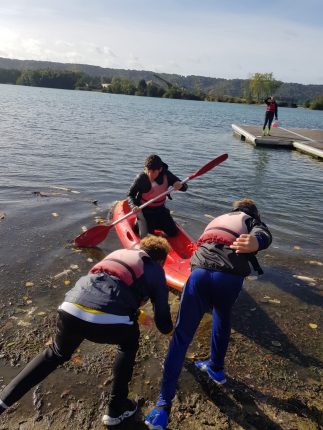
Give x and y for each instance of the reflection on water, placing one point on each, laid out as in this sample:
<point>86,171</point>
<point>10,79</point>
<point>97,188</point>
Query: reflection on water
<point>261,163</point>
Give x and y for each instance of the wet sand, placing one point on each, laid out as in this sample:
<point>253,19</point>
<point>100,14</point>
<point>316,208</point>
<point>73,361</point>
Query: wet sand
<point>273,365</point>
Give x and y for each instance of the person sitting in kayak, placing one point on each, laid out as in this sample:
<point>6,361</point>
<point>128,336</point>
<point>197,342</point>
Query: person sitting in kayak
<point>102,307</point>
<point>219,265</point>
<point>154,180</point>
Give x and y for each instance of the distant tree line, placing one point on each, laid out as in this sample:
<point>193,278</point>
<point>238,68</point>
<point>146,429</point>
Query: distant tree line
<point>70,80</point>
<point>49,78</point>
<point>254,90</point>
<point>118,85</point>
<point>9,76</point>
<point>234,90</point>
<point>315,104</point>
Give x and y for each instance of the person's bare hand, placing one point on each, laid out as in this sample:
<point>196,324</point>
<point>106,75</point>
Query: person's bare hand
<point>136,209</point>
<point>245,243</point>
<point>177,185</point>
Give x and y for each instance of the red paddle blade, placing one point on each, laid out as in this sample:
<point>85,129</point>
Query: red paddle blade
<point>93,236</point>
<point>209,166</point>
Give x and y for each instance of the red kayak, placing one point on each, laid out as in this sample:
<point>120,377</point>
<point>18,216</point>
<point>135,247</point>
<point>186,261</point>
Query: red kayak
<point>177,266</point>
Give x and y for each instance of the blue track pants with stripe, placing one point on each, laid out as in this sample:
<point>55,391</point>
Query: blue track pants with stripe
<point>205,291</point>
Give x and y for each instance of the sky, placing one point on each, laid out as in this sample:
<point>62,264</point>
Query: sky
<point>215,38</point>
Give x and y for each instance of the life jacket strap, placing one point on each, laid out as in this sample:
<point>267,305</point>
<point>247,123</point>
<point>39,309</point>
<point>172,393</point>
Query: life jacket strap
<point>131,271</point>
<point>227,230</point>
<point>255,264</point>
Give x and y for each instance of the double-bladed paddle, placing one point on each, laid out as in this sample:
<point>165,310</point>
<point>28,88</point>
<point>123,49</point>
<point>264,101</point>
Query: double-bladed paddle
<point>94,235</point>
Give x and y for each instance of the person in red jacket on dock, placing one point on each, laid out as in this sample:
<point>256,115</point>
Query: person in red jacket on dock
<point>271,112</point>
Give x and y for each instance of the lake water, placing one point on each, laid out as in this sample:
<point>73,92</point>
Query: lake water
<point>95,144</point>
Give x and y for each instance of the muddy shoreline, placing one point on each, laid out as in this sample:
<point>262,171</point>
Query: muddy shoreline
<point>274,362</point>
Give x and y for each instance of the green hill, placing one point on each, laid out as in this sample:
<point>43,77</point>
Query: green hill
<point>289,92</point>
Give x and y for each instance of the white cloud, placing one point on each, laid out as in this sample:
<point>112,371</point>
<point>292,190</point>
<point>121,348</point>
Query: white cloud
<point>105,50</point>
<point>63,44</point>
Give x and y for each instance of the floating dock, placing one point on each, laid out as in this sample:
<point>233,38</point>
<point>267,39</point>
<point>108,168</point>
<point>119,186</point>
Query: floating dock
<point>308,141</point>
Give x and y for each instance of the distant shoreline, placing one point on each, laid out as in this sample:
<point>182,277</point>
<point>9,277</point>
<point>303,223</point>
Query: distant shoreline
<point>194,87</point>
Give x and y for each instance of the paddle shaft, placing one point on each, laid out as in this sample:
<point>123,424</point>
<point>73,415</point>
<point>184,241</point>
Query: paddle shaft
<point>170,189</point>
<point>197,173</point>
<point>97,234</point>
<point>164,193</point>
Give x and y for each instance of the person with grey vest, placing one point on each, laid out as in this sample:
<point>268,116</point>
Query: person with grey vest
<point>103,307</point>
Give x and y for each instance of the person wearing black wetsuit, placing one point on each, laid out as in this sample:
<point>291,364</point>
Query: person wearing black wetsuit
<point>154,180</point>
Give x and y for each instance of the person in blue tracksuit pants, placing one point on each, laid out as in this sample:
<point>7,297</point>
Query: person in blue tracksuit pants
<point>205,290</point>
<point>219,265</point>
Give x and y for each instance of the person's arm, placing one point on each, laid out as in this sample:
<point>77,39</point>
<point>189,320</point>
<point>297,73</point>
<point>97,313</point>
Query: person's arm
<point>155,278</point>
<point>261,232</point>
<point>276,111</point>
<point>175,182</point>
<point>139,186</point>
<point>259,238</point>
<point>267,100</point>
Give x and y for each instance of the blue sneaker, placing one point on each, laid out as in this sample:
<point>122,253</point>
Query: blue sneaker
<point>217,376</point>
<point>157,419</point>
<point>202,365</point>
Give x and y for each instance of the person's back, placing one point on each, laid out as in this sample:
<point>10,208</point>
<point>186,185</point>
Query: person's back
<point>215,250</point>
<point>102,307</point>
<point>219,266</point>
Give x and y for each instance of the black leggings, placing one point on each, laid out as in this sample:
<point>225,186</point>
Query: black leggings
<point>71,331</point>
<point>158,218</point>
<point>268,119</point>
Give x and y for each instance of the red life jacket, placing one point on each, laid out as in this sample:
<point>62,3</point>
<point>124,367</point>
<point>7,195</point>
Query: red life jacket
<point>271,107</point>
<point>154,191</point>
<point>225,229</point>
<point>125,264</point>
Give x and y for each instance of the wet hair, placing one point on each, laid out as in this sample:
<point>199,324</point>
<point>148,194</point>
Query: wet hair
<point>153,162</point>
<point>247,206</point>
<point>156,247</point>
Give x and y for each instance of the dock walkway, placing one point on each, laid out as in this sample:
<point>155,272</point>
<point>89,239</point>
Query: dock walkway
<point>308,141</point>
